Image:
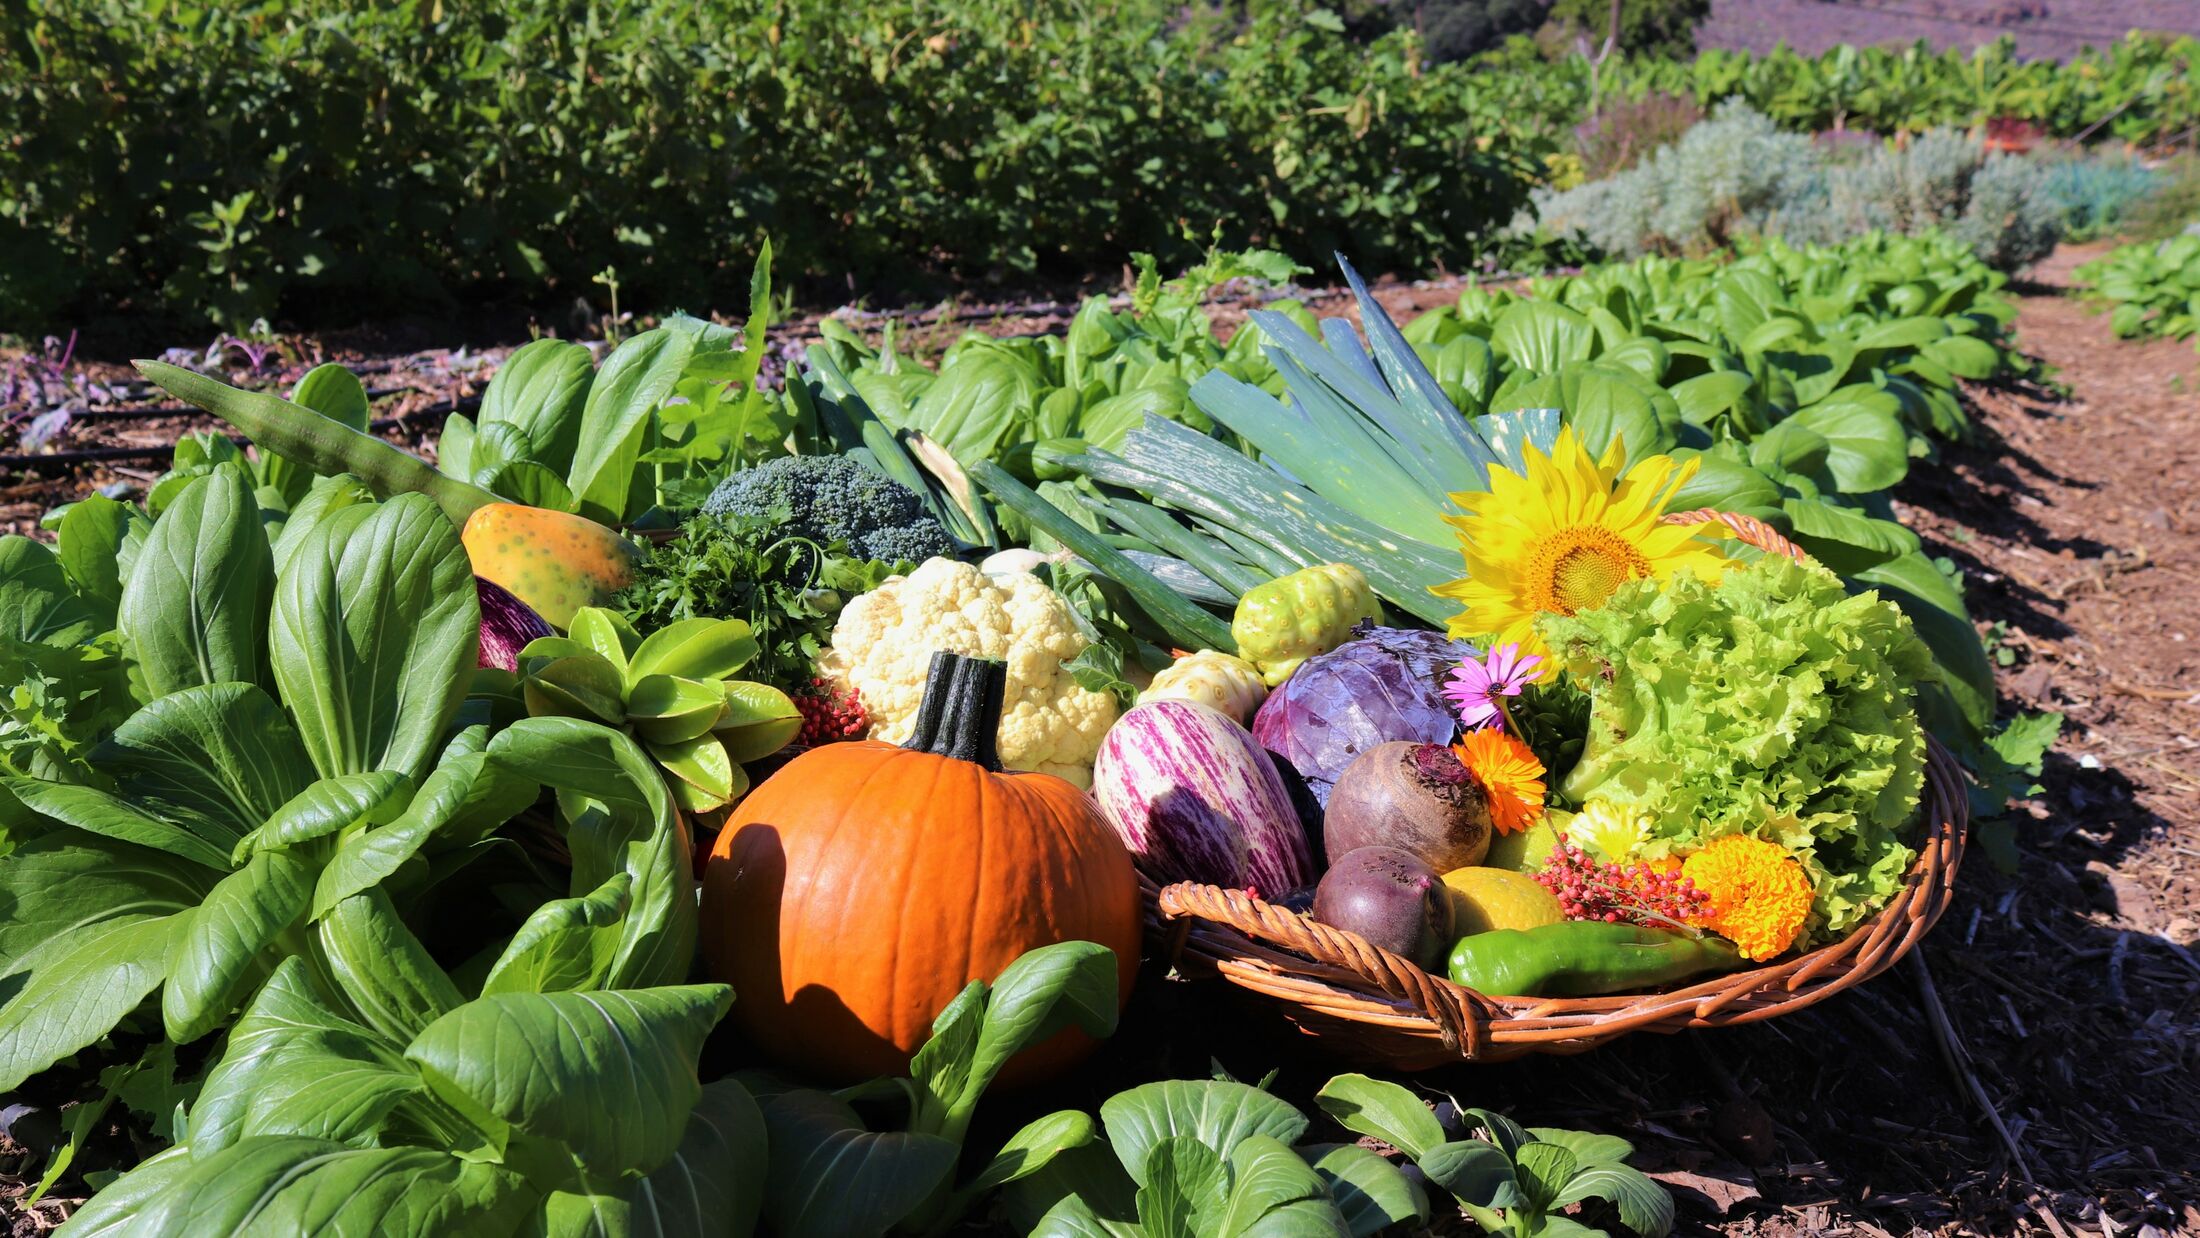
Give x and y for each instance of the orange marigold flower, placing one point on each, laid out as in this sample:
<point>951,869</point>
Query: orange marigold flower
<point>1760,896</point>
<point>1509,774</point>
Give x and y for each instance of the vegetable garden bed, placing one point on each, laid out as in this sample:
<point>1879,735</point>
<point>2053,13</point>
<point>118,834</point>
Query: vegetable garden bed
<point>1636,1087</point>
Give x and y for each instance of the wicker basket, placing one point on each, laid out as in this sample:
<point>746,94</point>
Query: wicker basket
<point>1374,1006</point>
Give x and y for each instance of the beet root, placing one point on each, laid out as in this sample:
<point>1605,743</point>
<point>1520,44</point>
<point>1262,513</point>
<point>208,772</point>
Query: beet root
<point>1415,797</point>
<point>1390,898</point>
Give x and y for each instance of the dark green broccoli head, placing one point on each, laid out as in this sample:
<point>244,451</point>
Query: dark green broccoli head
<point>836,498</point>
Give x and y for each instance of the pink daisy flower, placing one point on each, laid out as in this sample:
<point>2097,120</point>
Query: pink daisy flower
<point>1475,685</point>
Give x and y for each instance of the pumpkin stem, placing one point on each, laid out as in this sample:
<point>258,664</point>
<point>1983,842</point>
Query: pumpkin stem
<point>961,711</point>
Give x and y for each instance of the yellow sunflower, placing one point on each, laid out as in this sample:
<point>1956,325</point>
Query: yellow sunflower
<point>1564,536</point>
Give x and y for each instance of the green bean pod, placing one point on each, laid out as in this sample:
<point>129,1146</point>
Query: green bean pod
<point>1580,958</point>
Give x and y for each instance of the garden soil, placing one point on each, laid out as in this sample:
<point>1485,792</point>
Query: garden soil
<point>2031,1070</point>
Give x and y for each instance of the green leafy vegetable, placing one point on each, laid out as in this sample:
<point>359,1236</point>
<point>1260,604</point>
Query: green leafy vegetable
<point>1773,704</point>
<point>1213,1157</point>
<point>2149,290</point>
<point>849,1179</point>
<point>787,589</point>
<point>1511,1181</point>
<point>672,690</point>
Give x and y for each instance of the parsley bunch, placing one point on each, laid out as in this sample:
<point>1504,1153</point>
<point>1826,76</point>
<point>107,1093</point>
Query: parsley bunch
<point>789,589</point>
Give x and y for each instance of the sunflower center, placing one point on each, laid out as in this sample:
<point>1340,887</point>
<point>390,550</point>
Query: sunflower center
<point>1580,567</point>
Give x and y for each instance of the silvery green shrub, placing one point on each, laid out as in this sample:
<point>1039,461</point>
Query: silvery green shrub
<point>1737,173</point>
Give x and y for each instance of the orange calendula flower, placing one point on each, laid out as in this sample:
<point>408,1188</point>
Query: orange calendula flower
<point>1509,774</point>
<point>1759,894</point>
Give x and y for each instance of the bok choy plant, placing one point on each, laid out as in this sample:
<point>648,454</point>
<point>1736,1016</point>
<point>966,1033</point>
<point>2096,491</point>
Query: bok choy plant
<point>298,789</point>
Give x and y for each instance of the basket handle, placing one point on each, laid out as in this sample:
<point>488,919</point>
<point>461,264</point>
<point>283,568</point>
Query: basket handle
<point>1461,1016</point>
<point>1747,529</point>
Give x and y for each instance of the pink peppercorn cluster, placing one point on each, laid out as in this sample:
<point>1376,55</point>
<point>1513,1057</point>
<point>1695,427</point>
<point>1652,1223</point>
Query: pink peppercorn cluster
<point>830,715</point>
<point>1589,889</point>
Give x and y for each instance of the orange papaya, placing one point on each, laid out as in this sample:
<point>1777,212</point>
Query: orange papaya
<point>554,561</point>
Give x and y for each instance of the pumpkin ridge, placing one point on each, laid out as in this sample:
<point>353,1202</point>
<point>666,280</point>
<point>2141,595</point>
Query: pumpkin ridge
<point>981,887</point>
<point>1086,909</point>
<point>829,846</point>
<point>895,1032</point>
<point>1048,912</point>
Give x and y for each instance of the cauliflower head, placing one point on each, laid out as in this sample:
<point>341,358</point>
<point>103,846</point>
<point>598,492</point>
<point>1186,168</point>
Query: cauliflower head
<point>885,639</point>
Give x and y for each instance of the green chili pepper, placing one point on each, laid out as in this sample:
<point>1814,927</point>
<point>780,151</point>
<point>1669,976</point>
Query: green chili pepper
<point>1577,958</point>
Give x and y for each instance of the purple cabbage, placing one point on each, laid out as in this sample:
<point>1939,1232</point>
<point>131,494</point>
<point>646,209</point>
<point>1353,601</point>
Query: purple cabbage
<point>507,625</point>
<point>1384,685</point>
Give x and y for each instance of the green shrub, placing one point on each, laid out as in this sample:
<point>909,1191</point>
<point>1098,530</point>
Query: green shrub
<point>1738,175</point>
<point>1646,27</point>
<point>345,159</point>
<point>1721,177</point>
<point>2149,289</point>
<point>1941,179</point>
<point>2173,203</point>
<point>2099,193</point>
<point>2007,219</point>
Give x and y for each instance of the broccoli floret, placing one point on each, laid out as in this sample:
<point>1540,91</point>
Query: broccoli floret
<point>836,498</point>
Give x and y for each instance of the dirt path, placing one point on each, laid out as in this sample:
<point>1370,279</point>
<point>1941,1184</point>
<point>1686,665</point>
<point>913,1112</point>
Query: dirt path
<point>2077,524</point>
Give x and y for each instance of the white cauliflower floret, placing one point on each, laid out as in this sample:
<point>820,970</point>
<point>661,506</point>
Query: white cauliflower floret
<point>884,641</point>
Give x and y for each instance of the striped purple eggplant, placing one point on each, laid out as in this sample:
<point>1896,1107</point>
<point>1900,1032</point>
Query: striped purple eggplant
<point>1195,799</point>
<point>507,624</point>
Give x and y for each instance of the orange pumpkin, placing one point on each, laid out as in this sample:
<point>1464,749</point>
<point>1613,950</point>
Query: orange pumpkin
<point>858,890</point>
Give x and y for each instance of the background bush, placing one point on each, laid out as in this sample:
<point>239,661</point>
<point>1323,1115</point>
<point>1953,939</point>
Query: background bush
<point>1457,29</point>
<point>1737,174</point>
<point>1621,134</point>
<point>1646,27</point>
<point>353,157</point>
<point>2103,193</point>
<point>335,160</point>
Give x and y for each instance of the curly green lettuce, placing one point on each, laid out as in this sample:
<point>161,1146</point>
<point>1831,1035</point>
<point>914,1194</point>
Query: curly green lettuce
<point>1773,704</point>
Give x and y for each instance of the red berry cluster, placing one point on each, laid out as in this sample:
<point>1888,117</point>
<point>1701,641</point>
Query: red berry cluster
<point>830,715</point>
<point>1589,889</point>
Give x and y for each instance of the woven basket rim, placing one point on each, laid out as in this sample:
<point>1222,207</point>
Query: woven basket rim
<point>1379,1005</point>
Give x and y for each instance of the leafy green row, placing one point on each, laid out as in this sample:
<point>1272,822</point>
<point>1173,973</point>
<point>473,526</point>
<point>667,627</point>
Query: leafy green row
<point>2150,290</point>
<point>1001,398</point>
<point>1803,382</point>
<point>268,807</point>
<point>2143,89</point>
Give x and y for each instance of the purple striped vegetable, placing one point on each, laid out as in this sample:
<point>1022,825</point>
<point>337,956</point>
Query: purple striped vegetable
<point>507,624</point>
<point>1195,799</point>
